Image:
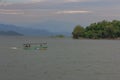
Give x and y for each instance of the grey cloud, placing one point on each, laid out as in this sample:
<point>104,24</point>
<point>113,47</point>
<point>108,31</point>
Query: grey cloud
<point>35,11</point>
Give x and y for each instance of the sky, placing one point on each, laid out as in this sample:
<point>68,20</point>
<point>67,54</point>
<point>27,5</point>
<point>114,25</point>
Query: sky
<point>57,15</point>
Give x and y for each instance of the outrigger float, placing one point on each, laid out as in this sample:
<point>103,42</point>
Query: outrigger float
<point>35,46</point>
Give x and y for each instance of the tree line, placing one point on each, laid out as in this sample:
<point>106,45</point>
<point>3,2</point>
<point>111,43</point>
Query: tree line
<point>99,30</point>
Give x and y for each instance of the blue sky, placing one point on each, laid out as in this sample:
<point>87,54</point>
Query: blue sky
<point>57,15</point>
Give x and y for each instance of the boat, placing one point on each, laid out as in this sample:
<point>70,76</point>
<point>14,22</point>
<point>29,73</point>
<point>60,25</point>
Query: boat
<point>35,46</point>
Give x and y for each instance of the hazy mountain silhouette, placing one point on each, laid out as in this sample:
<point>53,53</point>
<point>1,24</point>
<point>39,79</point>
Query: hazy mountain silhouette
<point>10,33</point>
<point>25,31</point>
<point>29,31</point>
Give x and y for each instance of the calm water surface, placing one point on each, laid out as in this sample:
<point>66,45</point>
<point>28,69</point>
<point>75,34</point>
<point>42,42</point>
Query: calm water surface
<point>65,59</point>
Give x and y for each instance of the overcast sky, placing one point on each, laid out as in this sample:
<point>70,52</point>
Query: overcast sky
<point>66,13</point>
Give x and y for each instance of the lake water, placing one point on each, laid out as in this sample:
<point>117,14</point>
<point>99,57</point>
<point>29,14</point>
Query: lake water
<point>65,59</point>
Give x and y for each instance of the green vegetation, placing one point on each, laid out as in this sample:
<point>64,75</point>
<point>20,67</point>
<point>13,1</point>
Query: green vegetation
<point>60,36</point>
<point>101,30</point>
<point>78,32</point>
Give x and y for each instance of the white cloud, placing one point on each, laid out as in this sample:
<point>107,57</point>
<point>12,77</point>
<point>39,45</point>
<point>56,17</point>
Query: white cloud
<point>75,0</point>
<point>4,11</point>
<point>37,0</point>
<point>34,1</point>
<point>41,12</point>
<point>73,12</point>
<point>79,0</point>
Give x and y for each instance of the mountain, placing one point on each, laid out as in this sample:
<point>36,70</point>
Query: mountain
<point>10,33</point>
<point>31,31</point>
<point>25,31</point>
<point>55,26</point>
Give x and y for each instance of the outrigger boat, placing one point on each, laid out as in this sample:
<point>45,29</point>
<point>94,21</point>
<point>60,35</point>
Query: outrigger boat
<point>35,46</point>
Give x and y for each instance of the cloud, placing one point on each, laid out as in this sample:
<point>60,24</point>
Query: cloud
<point>33,1</point>
<point>5,3</point>
<point>41,4</point>
<point>37,0</point>
<point>47,1</point>
<point>62,1</point>
<point>80,0</point>
<point>73,12</point>
<point>20,2</point>
<point>66,10</point>
<point>15,12</point>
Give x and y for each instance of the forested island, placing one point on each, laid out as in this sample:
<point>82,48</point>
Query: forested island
<point>100,30</point>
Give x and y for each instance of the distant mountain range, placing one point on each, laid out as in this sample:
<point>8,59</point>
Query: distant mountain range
<point>6,29</point>
<point>10,33</point>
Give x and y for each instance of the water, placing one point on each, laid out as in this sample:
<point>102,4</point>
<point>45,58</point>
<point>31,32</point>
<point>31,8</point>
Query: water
<point>65,59</point>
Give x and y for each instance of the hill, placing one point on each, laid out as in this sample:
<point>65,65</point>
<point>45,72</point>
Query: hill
<point>5,28</point>
<point>10,33</point>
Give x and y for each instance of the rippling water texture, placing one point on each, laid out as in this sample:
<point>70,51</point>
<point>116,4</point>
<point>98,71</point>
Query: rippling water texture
<point>65,59</point>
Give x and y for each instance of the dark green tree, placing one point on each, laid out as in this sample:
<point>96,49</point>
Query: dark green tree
<point>78,32</point>
<point>103,29</point>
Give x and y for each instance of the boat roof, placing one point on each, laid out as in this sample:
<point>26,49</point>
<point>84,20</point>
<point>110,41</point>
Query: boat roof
<point>36,43</point>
